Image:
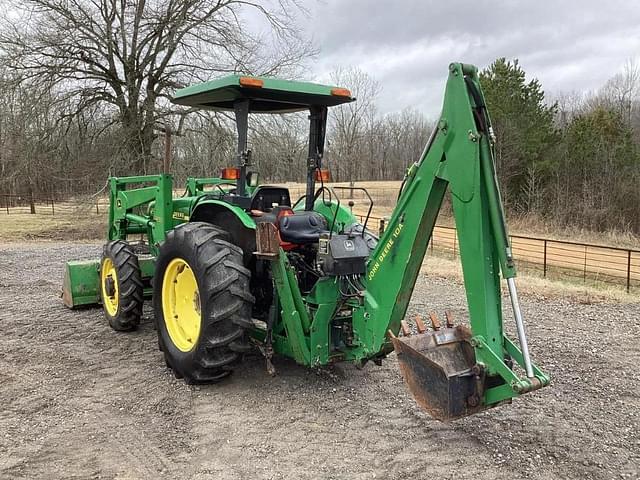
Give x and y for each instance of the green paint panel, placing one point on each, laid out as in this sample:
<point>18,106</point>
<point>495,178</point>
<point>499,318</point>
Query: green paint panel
<point>80,284</point>
<point>275,96</point>
<point>293,317</point>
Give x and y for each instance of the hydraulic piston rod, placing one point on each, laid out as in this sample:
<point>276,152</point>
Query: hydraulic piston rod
<point>522,337</point>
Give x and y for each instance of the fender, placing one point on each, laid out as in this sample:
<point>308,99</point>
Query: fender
<point>219,206</point>
<point>238,223</point>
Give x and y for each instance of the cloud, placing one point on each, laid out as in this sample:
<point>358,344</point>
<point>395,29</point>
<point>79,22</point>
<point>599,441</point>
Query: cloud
<point>407,44</point>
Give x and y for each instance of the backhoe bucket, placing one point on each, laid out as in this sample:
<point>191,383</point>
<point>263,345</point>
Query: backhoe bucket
<point>438,367</point>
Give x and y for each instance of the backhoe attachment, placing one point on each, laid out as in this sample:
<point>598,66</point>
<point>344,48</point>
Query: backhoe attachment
<point>454,371</point>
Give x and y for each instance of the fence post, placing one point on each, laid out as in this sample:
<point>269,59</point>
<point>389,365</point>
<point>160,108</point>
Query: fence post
<point>584,273</point>
<point>53,208</point>
<point>381,229</point>
<point>628,271</point>
<point>97,206</point>
<point>544,261</point>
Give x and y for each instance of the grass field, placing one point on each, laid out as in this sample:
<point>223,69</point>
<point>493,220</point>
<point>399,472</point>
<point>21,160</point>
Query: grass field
<point>77,224</point>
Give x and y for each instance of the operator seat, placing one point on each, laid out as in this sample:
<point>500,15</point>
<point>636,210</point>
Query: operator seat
<point>297,227</point>
<point>302,227</point>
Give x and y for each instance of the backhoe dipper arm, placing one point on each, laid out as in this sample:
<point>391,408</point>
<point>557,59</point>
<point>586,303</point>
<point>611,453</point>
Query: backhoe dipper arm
<point>458,155</point>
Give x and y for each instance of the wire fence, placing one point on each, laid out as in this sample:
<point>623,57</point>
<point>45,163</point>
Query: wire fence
<point>579,262</point>
<point>20,205</point>
<point>564,260</point>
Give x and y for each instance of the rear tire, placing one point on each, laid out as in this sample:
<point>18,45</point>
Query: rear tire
<point>121,289</point>
<point>202,334</point>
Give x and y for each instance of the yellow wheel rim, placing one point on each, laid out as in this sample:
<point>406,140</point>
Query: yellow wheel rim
<point>109,284</point>
<point>181,304</point>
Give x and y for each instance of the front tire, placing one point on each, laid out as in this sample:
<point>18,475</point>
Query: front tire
<point>121,289</point>
<point>202,302</point>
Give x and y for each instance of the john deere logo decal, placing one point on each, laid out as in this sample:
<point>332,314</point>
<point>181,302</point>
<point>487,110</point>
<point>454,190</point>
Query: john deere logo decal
<point>385,251</point>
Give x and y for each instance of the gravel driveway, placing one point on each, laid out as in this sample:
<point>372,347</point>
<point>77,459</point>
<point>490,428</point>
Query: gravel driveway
<point>78,400</point>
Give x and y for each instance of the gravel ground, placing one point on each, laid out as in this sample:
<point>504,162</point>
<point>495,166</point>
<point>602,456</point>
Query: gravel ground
<point>81,401</point>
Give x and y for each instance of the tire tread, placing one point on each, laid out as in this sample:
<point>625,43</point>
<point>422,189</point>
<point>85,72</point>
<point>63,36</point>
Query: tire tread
<point>224,284</point>
<point>130,286</point>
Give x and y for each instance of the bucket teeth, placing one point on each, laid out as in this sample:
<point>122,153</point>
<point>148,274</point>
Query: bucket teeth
<point>449,316</point>
<point>420,324</point>
<point>435,321</point>
<point>404,326</point>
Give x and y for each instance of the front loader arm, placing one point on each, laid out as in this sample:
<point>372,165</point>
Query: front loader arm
<point>458,156</point>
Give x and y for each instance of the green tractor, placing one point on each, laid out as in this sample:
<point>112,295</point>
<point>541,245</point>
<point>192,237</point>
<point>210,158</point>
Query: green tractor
<point>233,264</point>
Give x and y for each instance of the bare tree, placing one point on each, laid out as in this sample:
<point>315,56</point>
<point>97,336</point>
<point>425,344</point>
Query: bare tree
<point>279,145</point>
<point>623,90</point>
<point>350,122</point>
<point>569,105</point>
<point>130,54</point>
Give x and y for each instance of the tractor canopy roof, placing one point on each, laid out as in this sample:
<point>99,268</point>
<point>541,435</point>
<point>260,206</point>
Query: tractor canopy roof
<point>266,94</point>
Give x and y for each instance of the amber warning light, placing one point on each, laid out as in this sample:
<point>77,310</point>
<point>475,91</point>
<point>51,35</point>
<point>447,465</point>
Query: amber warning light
<point>251,82</point>
<point>323,175</point>
<point>340,92</point>
<point>230,173</point>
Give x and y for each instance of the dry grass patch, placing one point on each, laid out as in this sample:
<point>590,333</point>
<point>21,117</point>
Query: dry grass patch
<point>440,266</point>
<point>64,226</point>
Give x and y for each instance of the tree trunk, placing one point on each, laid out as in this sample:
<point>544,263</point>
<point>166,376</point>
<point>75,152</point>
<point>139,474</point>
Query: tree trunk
<point>32,203</point>
<point>137,144</point>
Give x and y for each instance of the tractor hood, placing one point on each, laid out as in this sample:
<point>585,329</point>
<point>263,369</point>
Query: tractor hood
<point>267,94</point>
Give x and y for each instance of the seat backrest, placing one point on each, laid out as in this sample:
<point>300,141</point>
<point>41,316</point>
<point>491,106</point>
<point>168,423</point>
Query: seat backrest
<point>265,196</point>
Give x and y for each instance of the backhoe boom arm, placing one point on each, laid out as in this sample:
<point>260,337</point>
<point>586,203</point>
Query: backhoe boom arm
<point>459,157</point>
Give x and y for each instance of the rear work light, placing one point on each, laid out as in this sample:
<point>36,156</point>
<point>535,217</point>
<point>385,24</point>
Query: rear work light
<point>251,82</point>
<point>323,175</point>
<point>230,173</point>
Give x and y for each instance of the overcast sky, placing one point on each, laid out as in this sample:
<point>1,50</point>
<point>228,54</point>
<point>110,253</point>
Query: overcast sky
<point>407,44</point>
